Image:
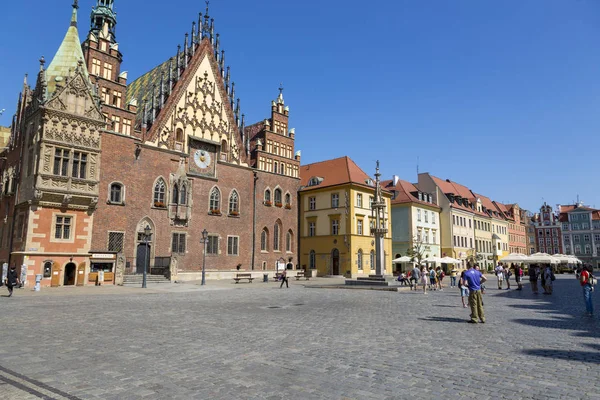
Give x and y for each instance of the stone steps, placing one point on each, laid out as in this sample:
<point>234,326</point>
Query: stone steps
<point>131,280</point>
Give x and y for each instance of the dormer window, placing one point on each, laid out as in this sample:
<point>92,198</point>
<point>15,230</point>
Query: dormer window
<point>369,182</point>
<point>314,181</point>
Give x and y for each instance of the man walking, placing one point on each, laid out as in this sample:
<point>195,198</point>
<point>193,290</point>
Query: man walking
<point>12,280</point>
<point>415,276</point>
<point>588,288</point>
<point>499,270</point>
<point>284,279</point>
<point>473,280</point>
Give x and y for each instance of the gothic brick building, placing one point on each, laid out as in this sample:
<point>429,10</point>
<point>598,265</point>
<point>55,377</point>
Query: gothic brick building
<point>93,161</point>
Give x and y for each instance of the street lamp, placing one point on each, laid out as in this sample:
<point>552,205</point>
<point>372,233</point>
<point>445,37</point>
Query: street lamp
<point>204,240</point>
<point>147,233</point>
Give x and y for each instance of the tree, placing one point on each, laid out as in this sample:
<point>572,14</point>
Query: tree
<point>416,250</point>
<point>473,257</point>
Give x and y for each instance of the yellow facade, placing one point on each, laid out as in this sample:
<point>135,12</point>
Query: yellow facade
<point>345,251</point>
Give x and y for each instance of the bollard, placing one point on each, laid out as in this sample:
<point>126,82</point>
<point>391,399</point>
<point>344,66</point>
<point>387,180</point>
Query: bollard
<point>266,278</point>
<point>38,283</point>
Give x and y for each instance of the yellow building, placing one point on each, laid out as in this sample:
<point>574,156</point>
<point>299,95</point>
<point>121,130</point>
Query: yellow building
<point>336,220</point>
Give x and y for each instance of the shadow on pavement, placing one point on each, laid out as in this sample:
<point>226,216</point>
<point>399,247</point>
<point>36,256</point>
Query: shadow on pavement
<point>568,355</point>
<point>445,319</point>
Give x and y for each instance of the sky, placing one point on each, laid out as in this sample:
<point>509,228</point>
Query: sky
<point>501,96</point>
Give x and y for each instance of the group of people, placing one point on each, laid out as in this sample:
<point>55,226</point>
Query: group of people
<point>426,278</point>
<point>544,274</point>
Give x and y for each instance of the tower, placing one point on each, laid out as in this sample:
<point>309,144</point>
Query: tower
<point>380,230</point>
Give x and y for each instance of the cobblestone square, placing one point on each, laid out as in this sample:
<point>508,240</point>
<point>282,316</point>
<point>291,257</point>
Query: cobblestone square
<point>256,341</point>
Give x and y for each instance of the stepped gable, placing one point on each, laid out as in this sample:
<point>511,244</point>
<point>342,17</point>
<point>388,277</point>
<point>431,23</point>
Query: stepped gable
<point>334,172</point>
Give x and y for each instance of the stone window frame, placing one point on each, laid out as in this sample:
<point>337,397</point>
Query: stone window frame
<point>235,211</point>
<point>213,236</point>
<point>359,259</point>
<point>49,275</point>
<point>267,197</point>
<point>215,205</point>
<point>179,235</point>
<point>237,245</point>
<point>53,228</point>
<point>277,230</point>
<point>264,240</point>
<point>287,200</point>
<point>110,186</point>
<point>289,241</point>
<point>155,201</point>
<point>278,202</point>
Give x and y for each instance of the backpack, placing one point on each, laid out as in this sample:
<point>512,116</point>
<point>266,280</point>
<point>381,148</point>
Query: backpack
<point>442,274</point>
<point>592,279</point>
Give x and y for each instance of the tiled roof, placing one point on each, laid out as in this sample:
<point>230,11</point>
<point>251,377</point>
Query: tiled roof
<point>488,204</point>
<point>447,186</point>
<point>67,57</point>
<point>333,172</point>
<point>596,215</point>
<point>404,193</point>
<point>504,209</point>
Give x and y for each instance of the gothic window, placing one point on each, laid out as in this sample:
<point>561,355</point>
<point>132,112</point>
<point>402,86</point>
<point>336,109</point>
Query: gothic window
<point>268,197</point>
<point>183,195</point>
<point>288,200</point>
<point>276,239</point>
<point>61,162</point>
<point>175,194</point>
<point>160,189</point>
<point>278,197</point>
<point>223,146</point>
<point>264,240</point>
<point>116,193</point>
<point>288,242</point>
<point>234,203</point>
<point>215,200</point>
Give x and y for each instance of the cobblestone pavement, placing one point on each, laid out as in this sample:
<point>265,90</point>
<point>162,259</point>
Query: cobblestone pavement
<point>261,342</point>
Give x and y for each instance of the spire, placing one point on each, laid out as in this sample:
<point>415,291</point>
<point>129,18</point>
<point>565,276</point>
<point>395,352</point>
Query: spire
<point>68,56</point>
<point>206,25</point>
<point>280,97</point>
<point>178,75</point>
<point>170,84</point>
<point>104,20</point>
<point>185,51</point>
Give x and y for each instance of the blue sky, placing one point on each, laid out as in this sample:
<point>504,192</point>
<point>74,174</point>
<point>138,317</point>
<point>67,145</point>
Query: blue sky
<point>502,96</point>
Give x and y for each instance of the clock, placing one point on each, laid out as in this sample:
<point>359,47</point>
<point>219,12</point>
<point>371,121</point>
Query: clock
<point>202,158</point>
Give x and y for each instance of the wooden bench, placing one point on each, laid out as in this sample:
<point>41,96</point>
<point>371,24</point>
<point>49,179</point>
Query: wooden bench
<point>301,274</point>
<point>238,277</point>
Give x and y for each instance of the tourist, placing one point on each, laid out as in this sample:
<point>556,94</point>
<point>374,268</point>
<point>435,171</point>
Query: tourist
<point>453,277</point>
<point>12,280</point>
<point>547,281</point>
<point>464,291</point>
<point>473,279</point>
<point>414,277</point>
<point>519,276</point>
<point>439,275</point>
<point>284,279</point>
<point>533,278</point>
<point>499,270</point>
<point>507,275</point>
<point>586,279</point>
<point>424,279</point>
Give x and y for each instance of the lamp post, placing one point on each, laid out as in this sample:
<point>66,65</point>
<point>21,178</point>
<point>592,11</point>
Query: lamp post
<point>147,233</point>
<point>204,240</point>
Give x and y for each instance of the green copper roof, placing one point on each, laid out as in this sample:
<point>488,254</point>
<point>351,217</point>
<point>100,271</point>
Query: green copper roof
<point>67,56</point>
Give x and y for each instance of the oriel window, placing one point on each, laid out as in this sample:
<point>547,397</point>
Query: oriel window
<point>79,165</point>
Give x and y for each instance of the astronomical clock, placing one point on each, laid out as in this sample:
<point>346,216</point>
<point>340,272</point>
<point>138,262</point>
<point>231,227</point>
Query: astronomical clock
<point>203,157</point>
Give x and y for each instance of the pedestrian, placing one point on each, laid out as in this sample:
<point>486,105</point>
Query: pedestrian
<point>464,291</point>
<point>587,281</point>
<point>453,277</point>
<point>284,279</point>
<point>424,279</point>
<point>439,275</point>
<point>507,275</point>
<point>499,270</point>
<point>473,280</point>
<point>415,277</point>
<point>12,280</point>
<point>519,276</point>
<point>432,279</point>
<point>548,278</point>
<point>533,278</point>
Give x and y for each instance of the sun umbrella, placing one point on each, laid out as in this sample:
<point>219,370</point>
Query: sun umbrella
<point>515,258</point>
<point>542,258</point>
<point>403,259</point>
<point>450,260</point>
<point>433,259</point>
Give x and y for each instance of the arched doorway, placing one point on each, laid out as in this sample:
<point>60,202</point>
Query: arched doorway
<point>335,262</point>
<point>70,272</point>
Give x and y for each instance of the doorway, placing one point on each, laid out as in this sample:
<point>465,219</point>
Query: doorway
<point>335,262</point>
<point>70,272</point>
<point>142,258</point>
<point>81,274</point>
<point>55,281</point>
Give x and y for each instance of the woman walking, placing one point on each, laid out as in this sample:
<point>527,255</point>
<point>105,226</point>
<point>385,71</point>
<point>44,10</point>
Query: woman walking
<point>12,280</point>
<point>424,279</point>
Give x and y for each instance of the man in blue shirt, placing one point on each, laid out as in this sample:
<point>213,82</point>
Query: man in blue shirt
<point>473,279</point>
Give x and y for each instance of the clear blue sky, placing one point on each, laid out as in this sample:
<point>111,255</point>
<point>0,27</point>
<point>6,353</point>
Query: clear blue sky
<point>502,96</point>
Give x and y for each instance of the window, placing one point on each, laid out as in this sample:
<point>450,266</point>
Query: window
<point>63,227</point>
<point>234,203</point>
<point>311,229</point>
<point>233,245</point>
<point>312,260</point>
<point>264,240</point>
<point>107,73</point>
<point>555,241</point>
<point>268,197</point>
<point>335,227</point>
<point>183,195</point>
<point>576,227</point>
<point>426,216</point>
<point>116,124</point>
<point>359,227</point>
<point>159,193</point>
<point>175,194</point>
<point>576,238</point>
<point>178,243</point>
<point>116,193</point>
<point>371,200</point>
<point>335,200</point>
<point>96,67</point>
<point>566,239</point>
<point>359,259</point>
<point>278,198</point>
<point>565,226</point>
<point>588,249</point>
<point>586,238</point>
<point>215,200</point>
<point>359,200</point>
<point>372,259</point>
<point>212,246</point>
<point>276,237</point>
<point>105,97</point>
<point>288,200</point>
<point>454,219</point>
<point>126,126</point>
<point>61,162</point>
<point>597,238</point>
<point>577,249</point>
<point>470,226</point>
<point>312,203</point>
<point>288,242</point>
<point>433,237</point>
<point>116,241</point>
<point>568,249</point>
<point>117,99</point>
<point>419,214</point>
<point>433,217</point>
<point>47,269</point>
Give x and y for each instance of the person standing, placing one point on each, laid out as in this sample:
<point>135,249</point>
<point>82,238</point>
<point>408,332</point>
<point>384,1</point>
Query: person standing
<point>507,275</point>
<point>284,279</point>
<point>464,291</point>
<point>424,279</point>
<point>415,277</point>
<point>499,270</point>
<point>453,277</point>
<point>533,278</point>
<point>12,280</point>
<point>586,283</point>
<point>548,275</point>
<point>473,280</point>
<point>519,276</point>
<point>432,280</point>
<point>439,275</point>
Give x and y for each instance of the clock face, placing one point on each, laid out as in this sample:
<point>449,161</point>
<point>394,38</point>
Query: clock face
<point>202,158</point>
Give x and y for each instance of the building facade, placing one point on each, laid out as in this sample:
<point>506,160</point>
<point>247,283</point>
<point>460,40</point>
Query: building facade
<point>548,232</point>
<point>103,159</point>
<point>336,220</point>
<point>580,227</point>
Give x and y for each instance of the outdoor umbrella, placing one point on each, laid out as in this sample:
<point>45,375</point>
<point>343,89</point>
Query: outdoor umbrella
<point>541,258</point>
<point>515,258</point>
<point>449,260</point>
<point>403,259</point>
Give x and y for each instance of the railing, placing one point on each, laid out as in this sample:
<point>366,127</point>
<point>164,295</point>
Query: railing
<point>158,266</point>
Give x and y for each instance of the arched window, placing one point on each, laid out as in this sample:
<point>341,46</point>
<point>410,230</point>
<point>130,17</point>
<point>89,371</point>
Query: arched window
<point>179,135</point>
<point>159,193</point>
<point>278,197</point>
<point>116,193</point>
<point>264,240</point>
<point>215,200</point>
<point>312,260</point>
<point>48,269</point>
<point>359,259</point>
<point>288,199</point>
<point>224,146</point>
<point>234,203</point>
<point>372,260</point>
<point>183,195</point>
<point>175,194</point>
<point>276,237</point>
<point>267,196</point>
<point>288,242</point>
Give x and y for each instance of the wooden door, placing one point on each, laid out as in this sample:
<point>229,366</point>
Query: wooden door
<point>142,258</point>
<point>81,274</point>
<point>56,271</point>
